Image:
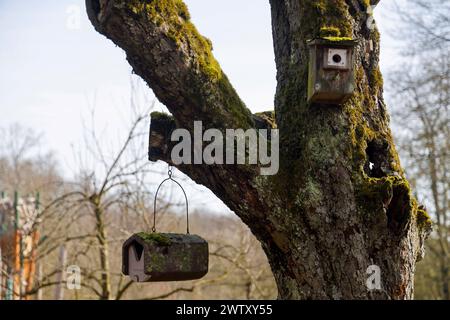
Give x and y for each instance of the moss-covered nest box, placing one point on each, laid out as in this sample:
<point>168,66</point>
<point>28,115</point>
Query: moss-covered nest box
<point>151,257</point>
<point>331,78</point>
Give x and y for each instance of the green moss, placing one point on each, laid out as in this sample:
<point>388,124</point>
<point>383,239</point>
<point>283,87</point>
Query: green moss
<point>320,6</point>
<point>175,17</point>
<point>392,193</point>
<point>157,262</point>
<point>424,221</point>
<point>333,34</point>
<point>359,109</point>
<point>234,105</point>
<point>329,31</point>
<point>380,188</point>
<point>365,3</point>
<point>337,39</point>
<point>156,115</point>
<point>376,80</point>
<point>372,189</point>
<point>375,35</point>
<point>268,116</point>
<point>329,16</point>
<point>158,238</point>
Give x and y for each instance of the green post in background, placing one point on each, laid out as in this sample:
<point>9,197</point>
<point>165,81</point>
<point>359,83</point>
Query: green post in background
<point>16,211</point>
<point>2,226</point>
<point>9,288</point>
<point>37,201</point>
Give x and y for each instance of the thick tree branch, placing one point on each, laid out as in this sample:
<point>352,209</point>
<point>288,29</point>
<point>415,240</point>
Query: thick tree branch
<point>162,126</point>
<point>166,50</point>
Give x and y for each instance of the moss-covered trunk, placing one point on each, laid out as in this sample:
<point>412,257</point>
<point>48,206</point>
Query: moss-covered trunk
<point>349,205</point>
<point>340,203</point>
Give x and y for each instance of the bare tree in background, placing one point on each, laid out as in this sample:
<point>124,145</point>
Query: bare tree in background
<point>425,24</point>
<point>104,183</point>
<point>421,115</point>
<point>24,166</point>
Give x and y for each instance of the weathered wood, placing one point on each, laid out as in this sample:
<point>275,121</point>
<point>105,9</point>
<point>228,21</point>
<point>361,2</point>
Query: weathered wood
<point>152,257</point>
<point>329,81</point>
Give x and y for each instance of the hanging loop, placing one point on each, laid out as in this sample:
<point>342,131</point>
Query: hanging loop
<point>156,198</point>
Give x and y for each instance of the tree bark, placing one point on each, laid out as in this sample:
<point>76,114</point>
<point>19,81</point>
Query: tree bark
<point>103,249</point>
<point>340,202</point>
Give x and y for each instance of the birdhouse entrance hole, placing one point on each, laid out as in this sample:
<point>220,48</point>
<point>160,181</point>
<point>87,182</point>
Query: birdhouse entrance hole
<point>138,250</point>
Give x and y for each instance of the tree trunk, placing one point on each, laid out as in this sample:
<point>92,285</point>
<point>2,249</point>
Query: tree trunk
<point>103,250</point>
<point>440,211</point>
<point>340,202</point>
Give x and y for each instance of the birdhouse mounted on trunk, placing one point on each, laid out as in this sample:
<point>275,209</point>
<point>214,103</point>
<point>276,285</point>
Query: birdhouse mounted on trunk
<point>331,77</point>
<point>151,257</point>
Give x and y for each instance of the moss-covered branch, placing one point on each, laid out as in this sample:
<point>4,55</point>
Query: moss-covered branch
<point>166,50</point>
<point>162,126</point>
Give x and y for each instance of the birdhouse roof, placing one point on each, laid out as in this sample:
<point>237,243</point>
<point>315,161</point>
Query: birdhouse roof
<point>162,239</point>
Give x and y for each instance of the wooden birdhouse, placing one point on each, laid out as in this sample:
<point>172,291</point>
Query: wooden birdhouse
<point>151,257</point>
<point>331,78</point>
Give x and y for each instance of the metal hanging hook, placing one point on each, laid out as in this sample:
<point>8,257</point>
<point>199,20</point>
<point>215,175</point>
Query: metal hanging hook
<point>170,173</point>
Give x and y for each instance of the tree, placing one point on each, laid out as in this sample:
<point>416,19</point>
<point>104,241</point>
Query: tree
<point>98,191</point>
<point>340,202</point>
<point>23,165</point>
<point>421,112</point>
<point>427,22</point>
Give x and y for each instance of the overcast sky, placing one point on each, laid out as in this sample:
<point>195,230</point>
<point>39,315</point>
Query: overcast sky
<point>53,65</point>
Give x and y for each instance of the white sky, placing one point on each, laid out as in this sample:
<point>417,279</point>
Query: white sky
<point>50,71</point>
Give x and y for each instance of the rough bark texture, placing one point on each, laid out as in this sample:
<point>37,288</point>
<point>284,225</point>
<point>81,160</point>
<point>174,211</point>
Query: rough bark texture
<point>340,202</point>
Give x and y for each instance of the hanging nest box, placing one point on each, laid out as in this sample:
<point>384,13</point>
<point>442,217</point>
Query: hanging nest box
<point>151,257</point>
